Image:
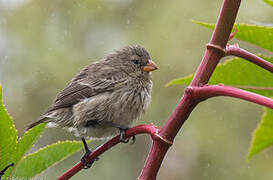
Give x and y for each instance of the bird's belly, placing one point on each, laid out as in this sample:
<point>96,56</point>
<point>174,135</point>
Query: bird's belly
<point>94,133</point>
<point>120,109</point>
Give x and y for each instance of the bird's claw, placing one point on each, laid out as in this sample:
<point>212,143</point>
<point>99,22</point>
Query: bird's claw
<point>83,160</point>
<point>133,139</point>
<point>126,140</point>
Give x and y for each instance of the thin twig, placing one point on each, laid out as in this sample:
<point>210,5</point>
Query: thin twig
<point>235,50</point>
<point>140,129</point>
<point>205,92</point>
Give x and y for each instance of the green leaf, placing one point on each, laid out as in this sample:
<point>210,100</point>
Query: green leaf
<point>263,135</point>
<point>270,2</point>
<point>8,136</point>
<point>239,73</point>
<point>27,141</point>
<point>39,161</point>
<point>184,80</point>
<point>258,35</point>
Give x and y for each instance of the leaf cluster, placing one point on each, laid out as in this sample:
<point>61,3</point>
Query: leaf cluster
<point>15,150</point>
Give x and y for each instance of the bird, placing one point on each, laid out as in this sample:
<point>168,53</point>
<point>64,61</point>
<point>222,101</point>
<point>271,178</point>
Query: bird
<point>105,98</point>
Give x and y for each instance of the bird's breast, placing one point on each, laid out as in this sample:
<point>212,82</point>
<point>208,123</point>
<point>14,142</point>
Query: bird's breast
<point>134,100</point>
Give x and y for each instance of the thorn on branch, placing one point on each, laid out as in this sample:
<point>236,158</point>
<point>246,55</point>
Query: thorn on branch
<point>164,139</point>
<point>233,33</point>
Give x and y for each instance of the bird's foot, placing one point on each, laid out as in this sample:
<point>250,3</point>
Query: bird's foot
<point>86,164</point>
<point>126,140</point>
<point>122,130</point>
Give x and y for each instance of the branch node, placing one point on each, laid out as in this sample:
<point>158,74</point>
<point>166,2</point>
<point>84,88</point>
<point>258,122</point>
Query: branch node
<point>189,90</point>
<point>164,140</point>
<point>216,47</point>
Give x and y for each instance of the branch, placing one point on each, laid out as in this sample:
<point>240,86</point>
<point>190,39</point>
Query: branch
<point>205,92</point>
<point>214,52</point>
<point>219,39</point>
<point>235,50</point>
<point>208,64</point>
<point>140,129</point>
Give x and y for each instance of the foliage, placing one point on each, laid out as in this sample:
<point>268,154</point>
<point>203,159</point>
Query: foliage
<point>13,150</point>
<point>8,136</point>
<point>239,73</point>
<point>270,2</point>
<point>39,161</point>
<point>263,136</point>
<point>259,35</point>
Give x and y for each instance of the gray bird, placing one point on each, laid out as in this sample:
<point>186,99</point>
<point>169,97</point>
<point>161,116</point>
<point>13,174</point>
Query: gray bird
<point>105,97</point>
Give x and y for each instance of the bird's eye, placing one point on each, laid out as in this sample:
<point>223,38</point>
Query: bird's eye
<point>136,61</point>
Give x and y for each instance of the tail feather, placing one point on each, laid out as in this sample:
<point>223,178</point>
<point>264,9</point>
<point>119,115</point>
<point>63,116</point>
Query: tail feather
<point>41,120</point>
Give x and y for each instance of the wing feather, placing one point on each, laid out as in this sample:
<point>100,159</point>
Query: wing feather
<point>86,85</point>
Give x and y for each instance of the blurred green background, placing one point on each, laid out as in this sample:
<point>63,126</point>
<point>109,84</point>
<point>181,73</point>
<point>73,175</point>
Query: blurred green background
<point>44,43</point>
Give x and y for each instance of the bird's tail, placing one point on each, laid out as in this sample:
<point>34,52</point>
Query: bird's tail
<point>39,121</point>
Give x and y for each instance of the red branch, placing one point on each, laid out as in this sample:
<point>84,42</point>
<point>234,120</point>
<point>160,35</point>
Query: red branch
<point>140,129</point>
<point>235,50</point>
<point>219,39</point>
<point>208,64</point>
<point>205,92</point>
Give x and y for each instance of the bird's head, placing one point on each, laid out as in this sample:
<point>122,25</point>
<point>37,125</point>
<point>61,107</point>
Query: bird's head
<point>134,60</point>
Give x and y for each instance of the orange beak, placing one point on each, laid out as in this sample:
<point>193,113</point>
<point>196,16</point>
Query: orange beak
<point>150,66</point>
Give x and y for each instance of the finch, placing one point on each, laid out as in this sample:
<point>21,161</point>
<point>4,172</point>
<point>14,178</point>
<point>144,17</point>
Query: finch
<point>105,97</point>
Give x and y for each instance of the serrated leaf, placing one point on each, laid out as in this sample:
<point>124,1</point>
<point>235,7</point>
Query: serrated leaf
<point>263,135</point>
<point>239,73</point>
<point>39,161</point>
<point>8,136</point>
<point>258,35</point>
<point>27,141</point>
<point>270,2</point>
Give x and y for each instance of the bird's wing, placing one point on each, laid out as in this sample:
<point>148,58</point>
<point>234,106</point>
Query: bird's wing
<point>85,85</point>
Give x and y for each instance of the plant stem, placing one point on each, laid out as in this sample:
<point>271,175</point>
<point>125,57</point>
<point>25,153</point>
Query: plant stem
<point>219,39</point>
<point>205,92</point>
<point>235,50</point>
<point>208,64</point>
<point>140,129</point>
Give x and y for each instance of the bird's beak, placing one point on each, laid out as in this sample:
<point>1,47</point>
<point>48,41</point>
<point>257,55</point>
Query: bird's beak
<point>150,66</point>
